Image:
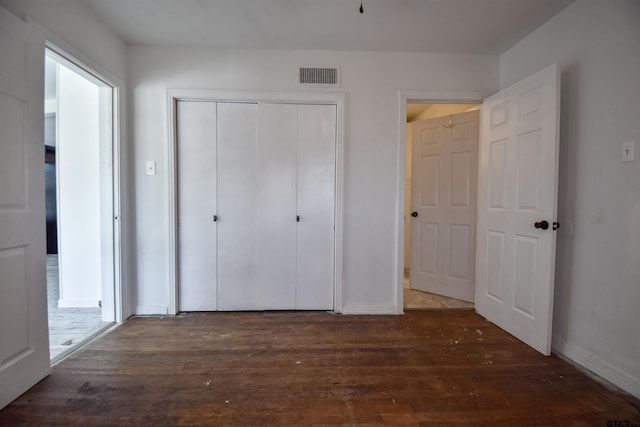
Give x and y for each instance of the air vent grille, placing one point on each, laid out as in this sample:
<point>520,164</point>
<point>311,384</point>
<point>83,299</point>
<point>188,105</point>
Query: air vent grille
<point>318,76</point>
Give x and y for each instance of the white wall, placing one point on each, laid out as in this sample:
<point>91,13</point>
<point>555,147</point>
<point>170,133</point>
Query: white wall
<point>371,82</point>
<point>76,25</point>
<point>78,170</point>
<point>596,313</point>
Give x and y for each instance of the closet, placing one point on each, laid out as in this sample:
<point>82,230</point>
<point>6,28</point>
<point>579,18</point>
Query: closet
<point>256,197</point>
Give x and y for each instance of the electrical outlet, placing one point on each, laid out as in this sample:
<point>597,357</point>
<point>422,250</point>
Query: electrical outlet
<point>628,151</point>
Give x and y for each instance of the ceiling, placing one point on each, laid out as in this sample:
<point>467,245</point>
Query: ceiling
<point>436,26</point>
<point>414,110</point>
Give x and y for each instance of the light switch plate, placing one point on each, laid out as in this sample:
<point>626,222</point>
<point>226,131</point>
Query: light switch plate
<point>150,167</point>
<point>628,151</point>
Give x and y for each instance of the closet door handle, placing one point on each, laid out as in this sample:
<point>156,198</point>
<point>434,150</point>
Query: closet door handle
<point>215,218</point>
<point>297,218</point>
<point>414,214</point>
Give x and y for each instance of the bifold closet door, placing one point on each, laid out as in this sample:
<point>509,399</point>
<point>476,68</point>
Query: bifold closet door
<point>257,200</point>
<point>316,173</point>
<point>237,197</point>
<point>196,135</point>
<point>266,173</point>
<point>276,201</point>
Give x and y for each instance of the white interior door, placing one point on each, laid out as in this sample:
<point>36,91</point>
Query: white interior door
<point>197,206</point>
<point>517,194</point>
<point>237,206</point>
<point>24,341</point>
<point>316,206</point>
<point>257,206</point>
<point>276,206</point>
<point>444,171</point>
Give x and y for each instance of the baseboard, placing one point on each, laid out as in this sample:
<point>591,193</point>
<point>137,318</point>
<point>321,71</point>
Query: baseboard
<point>151,310</point>
<point>368,309</point>
<point>78,303</point>
<point>598,366</point>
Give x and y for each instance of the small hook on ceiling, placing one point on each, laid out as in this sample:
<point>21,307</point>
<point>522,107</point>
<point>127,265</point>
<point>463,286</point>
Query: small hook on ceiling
<point>361,8</point>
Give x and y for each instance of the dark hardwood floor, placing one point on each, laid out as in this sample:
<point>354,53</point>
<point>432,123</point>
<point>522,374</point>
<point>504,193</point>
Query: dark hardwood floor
<point>303,369</point>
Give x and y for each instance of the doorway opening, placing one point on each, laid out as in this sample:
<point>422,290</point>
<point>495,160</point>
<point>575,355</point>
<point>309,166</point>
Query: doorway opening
<point>439,220</point>
<point>79,182</point>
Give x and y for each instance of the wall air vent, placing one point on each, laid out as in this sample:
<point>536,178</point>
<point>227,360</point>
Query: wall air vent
<point>320,76</point>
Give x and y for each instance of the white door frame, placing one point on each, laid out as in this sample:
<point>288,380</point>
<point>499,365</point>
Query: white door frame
<point>431,97</point>
<point>121,304</point>
<point>327,98</point>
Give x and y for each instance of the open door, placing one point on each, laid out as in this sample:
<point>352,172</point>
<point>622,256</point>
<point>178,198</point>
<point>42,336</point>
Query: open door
<point>517,206</point>
<point>443,196</point>
<point>24,346</point>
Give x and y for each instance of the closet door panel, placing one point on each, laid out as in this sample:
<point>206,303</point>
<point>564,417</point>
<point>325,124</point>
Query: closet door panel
<point>276,205</point>
<point>316,205</point>
<point>238,207</point>
<point>196,135</point>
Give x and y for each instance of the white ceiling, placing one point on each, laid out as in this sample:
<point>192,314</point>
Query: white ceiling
<point>451,26</point>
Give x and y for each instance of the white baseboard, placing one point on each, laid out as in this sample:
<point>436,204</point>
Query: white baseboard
<point>149,310</point>
<point>368,309</point>
<point>603,369</point>
<point>78,303</point>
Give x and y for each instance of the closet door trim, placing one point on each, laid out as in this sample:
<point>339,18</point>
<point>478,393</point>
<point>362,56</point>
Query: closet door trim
<point>315,98</point>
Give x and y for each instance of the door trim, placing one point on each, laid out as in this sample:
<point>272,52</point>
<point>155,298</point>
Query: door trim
<point>89,73</point>
<point>326,98</point>
<point>121,239</point>
<point>431,97</point>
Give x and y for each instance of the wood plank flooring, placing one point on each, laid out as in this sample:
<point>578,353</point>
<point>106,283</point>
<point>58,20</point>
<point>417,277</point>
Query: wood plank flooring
<point>291,368</point>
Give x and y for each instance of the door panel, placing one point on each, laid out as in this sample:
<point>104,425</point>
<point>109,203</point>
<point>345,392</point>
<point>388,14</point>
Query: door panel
<point>316,201</point>
<point>237,207</point>
<point>517,187</point>
<point>276,202</point>
<point>429,173</point>
<point>444,198</point>
<point>460,242</point>
<point>197,205</point>
<point>24,344</point>
<point>428,239</point>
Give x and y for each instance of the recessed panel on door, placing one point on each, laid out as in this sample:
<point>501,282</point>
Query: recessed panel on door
<point>14,318</point>
<point>197,241</point>
<point>12,116</point>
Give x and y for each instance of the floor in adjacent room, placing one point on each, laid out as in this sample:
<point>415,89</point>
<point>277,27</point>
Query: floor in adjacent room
<point>68,327</point>
<point>418,300</point>
<point>430,367</point>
